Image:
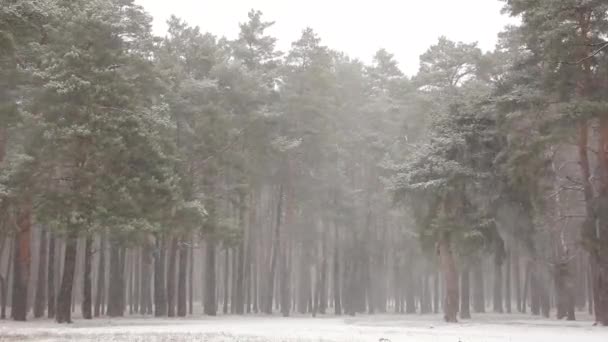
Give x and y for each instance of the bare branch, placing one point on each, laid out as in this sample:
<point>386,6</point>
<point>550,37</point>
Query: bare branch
<point>593,54</point>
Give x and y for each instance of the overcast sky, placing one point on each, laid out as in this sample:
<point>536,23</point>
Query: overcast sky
<point>357,27</point>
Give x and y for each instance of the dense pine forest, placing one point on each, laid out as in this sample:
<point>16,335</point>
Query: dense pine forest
<point>190,173</point>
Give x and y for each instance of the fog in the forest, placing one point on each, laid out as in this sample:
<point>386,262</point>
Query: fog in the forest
<point>316,171</point>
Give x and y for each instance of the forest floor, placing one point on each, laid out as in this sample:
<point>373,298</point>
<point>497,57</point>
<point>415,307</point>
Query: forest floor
<point>393,328</point>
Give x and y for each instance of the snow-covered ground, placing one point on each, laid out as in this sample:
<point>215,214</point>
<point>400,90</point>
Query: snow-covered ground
<point>484,328</point>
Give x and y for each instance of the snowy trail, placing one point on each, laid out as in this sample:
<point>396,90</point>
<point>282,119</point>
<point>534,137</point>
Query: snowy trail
<point>486,328</point>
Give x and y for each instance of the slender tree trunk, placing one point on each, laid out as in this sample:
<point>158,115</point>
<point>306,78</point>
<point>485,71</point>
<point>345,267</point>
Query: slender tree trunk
<point>508,283</point>
<point>479,301</point>
<point>580,282</point>
<point>50,283</point>
<point>563,290</point>
<point>22,263</point>
<point>146,307</point>
<point>3,131</point>
<point>210,306</point>
<point>436,299</point>
<point>101,276</point>
<point>191,277</point>
<point>322,305</point>
<point>410,299</point>
<point>534,290</point>
<point>40,301</point>
<point>160,293</point>
<point>465,306</point>
<point>600,249</point>
<point>240,271</point>
<point>285,292</point>
<point>116,282</point>
<point>274,256</point>
<point>425,302</point>
<point>87,295</point>
<point>171,268</point>
<point>233,275</point>
<point>517,281</point>
<point>303,283</point>
<point>255,290</point>
<point>124,280</point>
<point>498,280</point>
<point>130,265</point>
<point>4,283</point>
<point>181,283</point>
<point>137,307</point>
<point>64,300</point>
<point>336,273</point>
<point>590,291</point>
<point>450,275</point>
<point>226,281</point>
<point>526,290</point>
<point>545,304</point>
<point>398,287</point>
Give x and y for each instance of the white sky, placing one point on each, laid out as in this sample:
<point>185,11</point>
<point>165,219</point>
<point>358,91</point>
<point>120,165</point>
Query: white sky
<point>357,27</point>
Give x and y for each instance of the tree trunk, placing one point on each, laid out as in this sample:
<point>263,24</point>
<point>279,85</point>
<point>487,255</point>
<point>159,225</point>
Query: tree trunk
<point>233,276</point>
<point>22,263</point>
<point>436,299</point>
<point>596,223</point>
<point>499,257</point>
<point>226,281</point>
<point>240,271</point>
<point>303,284</point>
<point>498,287</point>
<point>191,277</point>
<point>4,282</point>
<point>123,279</point>
<point>599,251</point>
<point>146,307</point>
<point>450,276</point>
<point>136,300</point>
<point>256,279</point>
<point>50,282</point>
<point>564,291</point>
<point>285,252</point>
<point>210,306</point>
<point>274,256</point>
<point>101,277</point>
<point>508,283</point>
<point>534,290</point>
<point>64,300</point>
<point>181,283</point>
<point>130,265</point>
<point>322,289</point>
<point>427,300</point>
<point>410,299</point>
<point>590,294</point>
<point>465,306</point>
<point>336,273</point>
<point>517,281</point>
<point>160,293</point>
<point>285,292</point>
<point>479,301</point>
<point>116,282</point>
<point>87,296</point>
<point>40,301</point>
<point>171,268</point>
<point>398,286</point>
